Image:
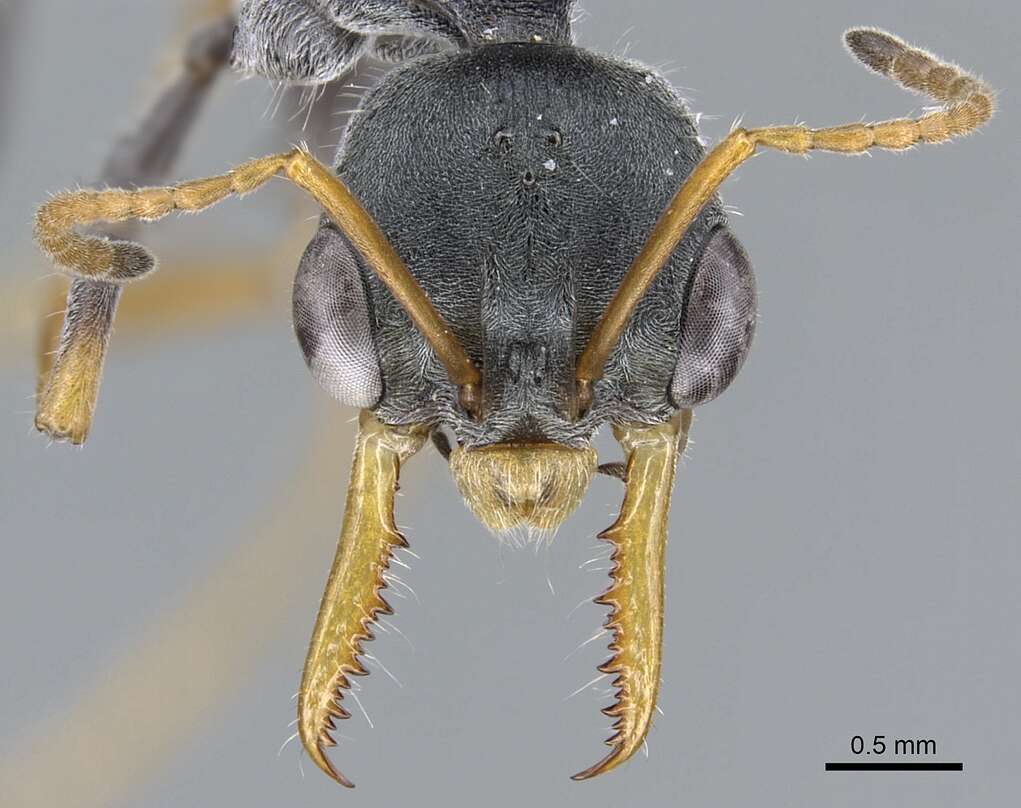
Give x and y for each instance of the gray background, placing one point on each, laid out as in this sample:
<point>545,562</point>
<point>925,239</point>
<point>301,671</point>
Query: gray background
<point>843,555</point>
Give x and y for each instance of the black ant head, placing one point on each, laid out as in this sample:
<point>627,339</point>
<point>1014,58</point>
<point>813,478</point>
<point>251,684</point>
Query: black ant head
<point>531,171</point>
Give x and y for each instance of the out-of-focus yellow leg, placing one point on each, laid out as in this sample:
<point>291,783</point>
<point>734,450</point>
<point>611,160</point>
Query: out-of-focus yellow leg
<point>69,384</point>
<point>352,599</point>
<point>47,332</point>
<point>636,594</point>
<point>67,397</point>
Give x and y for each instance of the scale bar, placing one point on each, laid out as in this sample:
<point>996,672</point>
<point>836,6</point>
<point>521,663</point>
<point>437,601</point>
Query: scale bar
<point>894,767</point>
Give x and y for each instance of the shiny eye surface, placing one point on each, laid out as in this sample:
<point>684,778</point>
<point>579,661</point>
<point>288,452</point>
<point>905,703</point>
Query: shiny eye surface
<point>554,138</point>
<point>502,139</point>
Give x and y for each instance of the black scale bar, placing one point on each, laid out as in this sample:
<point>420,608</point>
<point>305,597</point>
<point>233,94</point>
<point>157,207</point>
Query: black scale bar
<point>895,767</point>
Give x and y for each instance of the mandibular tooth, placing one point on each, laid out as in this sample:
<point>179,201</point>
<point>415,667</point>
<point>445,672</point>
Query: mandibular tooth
<point>352,601</point>
<point>635,596</point>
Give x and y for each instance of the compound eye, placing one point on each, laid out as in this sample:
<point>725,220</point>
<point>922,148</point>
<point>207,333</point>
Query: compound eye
<point>332,322</point>
<point>554,138</point>
<point>503,140</point>
<point>719,321</point>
